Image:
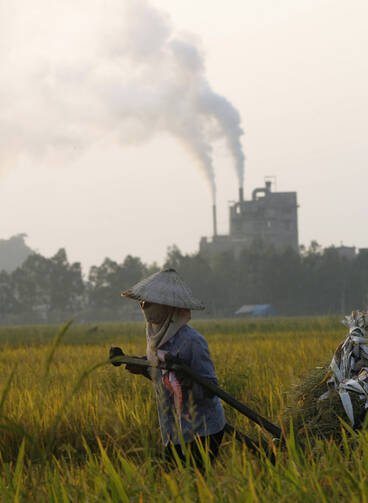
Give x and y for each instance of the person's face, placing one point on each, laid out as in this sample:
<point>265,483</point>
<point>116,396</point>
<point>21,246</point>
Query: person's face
<point>154,313</point>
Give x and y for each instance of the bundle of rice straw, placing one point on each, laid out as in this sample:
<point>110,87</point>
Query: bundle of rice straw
<point>339,390</point>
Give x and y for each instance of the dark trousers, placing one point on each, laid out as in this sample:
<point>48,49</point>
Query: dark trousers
<point>213,442</point>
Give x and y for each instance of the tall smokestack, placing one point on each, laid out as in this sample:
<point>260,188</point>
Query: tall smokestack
<point>214,220</point>
<point>241,195</point>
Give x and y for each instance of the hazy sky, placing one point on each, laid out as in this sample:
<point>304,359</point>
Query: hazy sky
<point>90,162</point>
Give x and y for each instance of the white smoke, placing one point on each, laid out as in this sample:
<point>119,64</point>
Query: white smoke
<point>76,72</point>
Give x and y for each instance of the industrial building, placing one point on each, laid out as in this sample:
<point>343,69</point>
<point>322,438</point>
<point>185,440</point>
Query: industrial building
<point>271,217</point>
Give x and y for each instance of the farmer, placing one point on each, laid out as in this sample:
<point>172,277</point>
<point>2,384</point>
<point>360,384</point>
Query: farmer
<point>186,410</point>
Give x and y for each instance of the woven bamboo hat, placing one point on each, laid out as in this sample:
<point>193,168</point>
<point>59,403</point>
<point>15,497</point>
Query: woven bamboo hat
<point>165,287</point>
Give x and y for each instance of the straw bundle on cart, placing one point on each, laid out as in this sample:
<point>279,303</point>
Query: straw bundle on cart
<point>335,392</point>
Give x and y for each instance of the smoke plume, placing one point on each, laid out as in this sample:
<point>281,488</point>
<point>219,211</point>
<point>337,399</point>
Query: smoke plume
<point>119,74</point>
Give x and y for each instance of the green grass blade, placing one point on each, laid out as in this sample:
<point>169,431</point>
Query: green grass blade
<point>114,477</point>
<point>17,480</point>
<point>62,331</point>
<point>6,389</point>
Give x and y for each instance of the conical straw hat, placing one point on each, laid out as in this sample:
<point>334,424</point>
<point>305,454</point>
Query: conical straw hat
<point>164,287</point>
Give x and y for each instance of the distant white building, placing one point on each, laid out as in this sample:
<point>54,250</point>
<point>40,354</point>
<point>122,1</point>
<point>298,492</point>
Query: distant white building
<point>347,252</point>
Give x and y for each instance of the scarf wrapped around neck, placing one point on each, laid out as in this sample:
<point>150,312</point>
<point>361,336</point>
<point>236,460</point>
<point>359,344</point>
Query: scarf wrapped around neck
<point>158,335</point>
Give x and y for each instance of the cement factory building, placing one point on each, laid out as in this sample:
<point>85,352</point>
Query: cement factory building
<point>270,216</point>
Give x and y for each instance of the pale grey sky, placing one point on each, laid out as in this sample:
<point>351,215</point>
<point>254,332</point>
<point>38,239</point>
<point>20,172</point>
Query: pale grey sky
<point>296,70</point>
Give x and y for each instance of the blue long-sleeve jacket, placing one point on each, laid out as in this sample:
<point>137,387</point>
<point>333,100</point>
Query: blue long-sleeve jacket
<point>200,415</point>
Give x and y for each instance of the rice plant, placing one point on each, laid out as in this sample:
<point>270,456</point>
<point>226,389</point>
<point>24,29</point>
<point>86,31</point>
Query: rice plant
<point>75,428</point>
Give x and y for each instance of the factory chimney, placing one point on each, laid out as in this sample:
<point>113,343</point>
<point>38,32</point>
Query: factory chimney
<point>241,195</point>
<point>214,220</point>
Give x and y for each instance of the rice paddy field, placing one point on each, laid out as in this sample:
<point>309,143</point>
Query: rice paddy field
<point>75,428</point>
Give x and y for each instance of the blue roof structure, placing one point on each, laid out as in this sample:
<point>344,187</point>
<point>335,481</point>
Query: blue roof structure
<point>256,310</point>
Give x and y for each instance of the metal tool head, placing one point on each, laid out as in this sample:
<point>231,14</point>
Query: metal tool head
<point>114,353</point>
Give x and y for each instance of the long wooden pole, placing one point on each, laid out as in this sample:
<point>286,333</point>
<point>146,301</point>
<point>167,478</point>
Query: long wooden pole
<point>210,386</point>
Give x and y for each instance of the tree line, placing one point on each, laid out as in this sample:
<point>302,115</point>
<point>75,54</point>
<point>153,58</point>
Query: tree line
<point>311,282</point>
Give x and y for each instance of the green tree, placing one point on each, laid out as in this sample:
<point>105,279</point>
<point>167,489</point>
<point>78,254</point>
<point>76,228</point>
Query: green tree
<point>8,302</point>
<point>107,281</point>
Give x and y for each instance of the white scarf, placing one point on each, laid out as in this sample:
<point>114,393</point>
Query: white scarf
<point>157,335</point>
